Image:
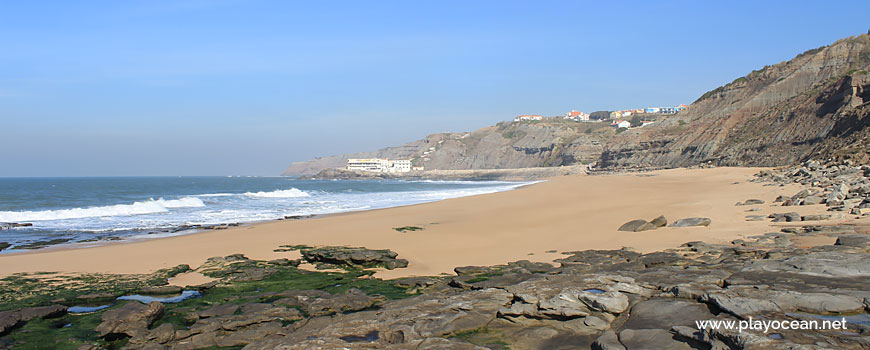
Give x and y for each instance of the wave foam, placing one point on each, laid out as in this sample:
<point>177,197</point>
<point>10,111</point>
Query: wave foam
<point>291,193</point>
<point>136,208</point>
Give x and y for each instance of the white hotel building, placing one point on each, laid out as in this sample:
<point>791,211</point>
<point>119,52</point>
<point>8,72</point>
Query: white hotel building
<point>380,165</point>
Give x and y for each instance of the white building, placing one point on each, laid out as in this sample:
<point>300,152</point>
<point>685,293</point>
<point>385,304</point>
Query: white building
<point>398,166</point>
<point>623,124</point>
<point>528,117</point>
<point>379,165</point>
<point>577,116</point>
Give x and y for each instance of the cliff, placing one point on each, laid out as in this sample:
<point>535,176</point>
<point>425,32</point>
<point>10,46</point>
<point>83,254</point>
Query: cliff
<point>522,174</point>
<point>812,106</point>
<point>508,145</point>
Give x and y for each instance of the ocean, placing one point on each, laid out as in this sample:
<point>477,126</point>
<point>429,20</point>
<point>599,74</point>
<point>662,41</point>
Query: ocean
<point>99,209</point>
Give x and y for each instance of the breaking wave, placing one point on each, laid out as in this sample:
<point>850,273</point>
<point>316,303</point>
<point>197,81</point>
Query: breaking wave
<point>136,208</point>
<point>291,193</point>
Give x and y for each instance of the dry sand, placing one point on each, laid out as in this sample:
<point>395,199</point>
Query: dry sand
<point>565,213</point>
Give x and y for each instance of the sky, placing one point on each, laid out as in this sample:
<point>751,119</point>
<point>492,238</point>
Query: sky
<point>226,87</point>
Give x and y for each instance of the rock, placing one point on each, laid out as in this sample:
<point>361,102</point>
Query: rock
<point>218,310</point>
<point>161,290</point>
<point>812,200</point>
<point>789,217</point>
<point>636,226</point>
<point>612,302</point>
<point>816,217</point>
<point>11,225</point>
<point>821,263</point>
<point>755,217</point>
<point>802,194</point>
<point>607,341</point>
<point>660,221</point>
<point>691,222</point>
<point>595,323</point>
<point>4,245</point>
<point>354,257</point>
<point>651,339</point>
<point>739,306</point>
<point>661,258</point>
<point>471,270</point>
<point>780,199</point>
<point>42,244</point>
<point>132,319</point>
<point>751,202</point>
<point>818,303</point>
<point>566,304</point>
<point>162,334</point>
<point>666,313</point>
<point>11,319</point>
<point>352,300</point>
<point>853,240</point>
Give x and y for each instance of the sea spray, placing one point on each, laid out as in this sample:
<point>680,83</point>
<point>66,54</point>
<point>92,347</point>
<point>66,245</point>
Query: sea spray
<point>136,208</point>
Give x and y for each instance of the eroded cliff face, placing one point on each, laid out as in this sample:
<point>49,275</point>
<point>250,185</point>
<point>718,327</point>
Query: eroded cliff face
<point>507,145</point>
<point>813,106</point>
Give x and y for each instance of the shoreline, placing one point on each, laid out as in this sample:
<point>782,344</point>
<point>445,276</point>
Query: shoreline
<point>145,234</point>
<point>487,229</point>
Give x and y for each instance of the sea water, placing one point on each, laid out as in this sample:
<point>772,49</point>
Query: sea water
<point>96,209</point>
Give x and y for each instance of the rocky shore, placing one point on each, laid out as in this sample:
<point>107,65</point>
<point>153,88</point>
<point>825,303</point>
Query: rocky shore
<point>591,299</point>
<point>613,299</point>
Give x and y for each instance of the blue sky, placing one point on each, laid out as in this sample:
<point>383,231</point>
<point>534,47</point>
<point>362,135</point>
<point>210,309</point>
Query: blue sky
<point>193,87</point>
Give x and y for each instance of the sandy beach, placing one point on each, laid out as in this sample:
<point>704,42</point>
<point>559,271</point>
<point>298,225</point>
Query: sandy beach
<point>536,223</point>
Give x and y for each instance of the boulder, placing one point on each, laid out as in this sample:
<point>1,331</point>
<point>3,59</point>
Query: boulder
<point>660,221</point>
<point>612,302</point>
<point>636,226</point>
<point>812,200</point>
<point>132,319</point>
<point>4,245</point>
<point>564,305</point>
<point>691,222</point>
<point>354,257</point>
<point>816,217</point>
<point>11,319</point>
<point>789,217</point>
<point>853,240</point>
